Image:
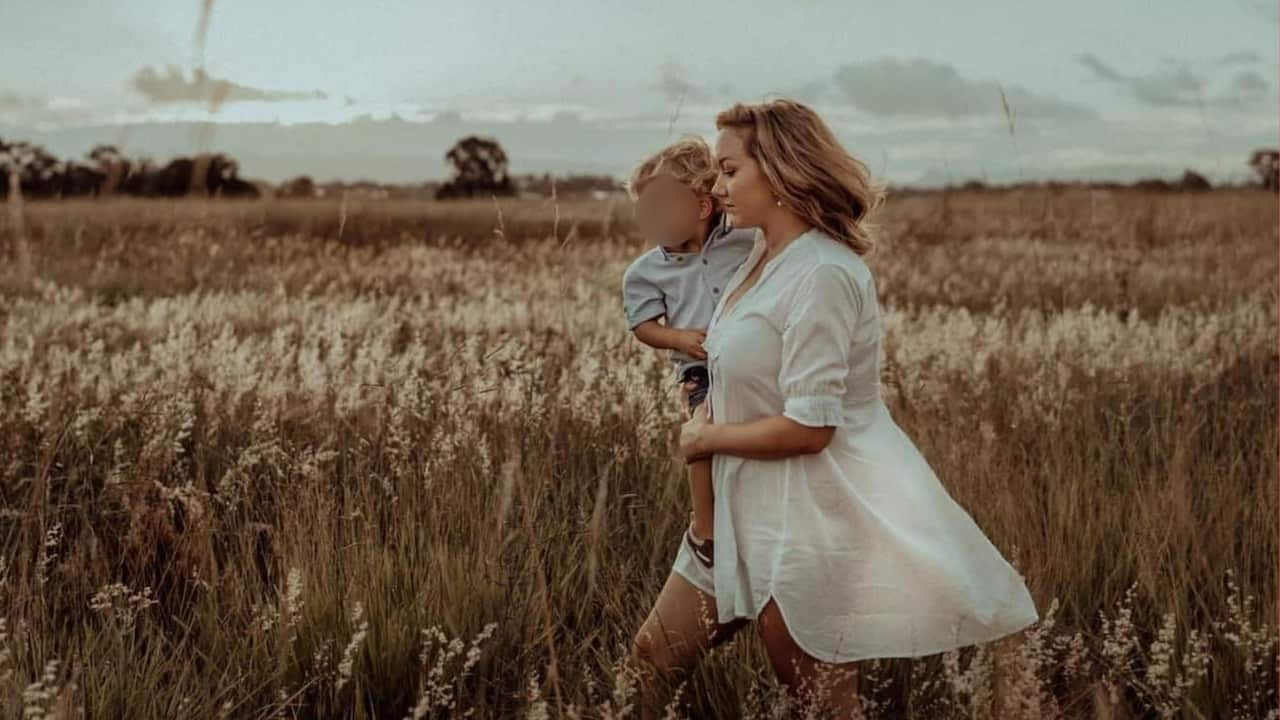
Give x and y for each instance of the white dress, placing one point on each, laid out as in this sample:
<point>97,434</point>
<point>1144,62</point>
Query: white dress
<point>860,545</point>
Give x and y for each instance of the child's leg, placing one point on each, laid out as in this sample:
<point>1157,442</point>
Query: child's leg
<point>700,496</point>
<point>698,383</point>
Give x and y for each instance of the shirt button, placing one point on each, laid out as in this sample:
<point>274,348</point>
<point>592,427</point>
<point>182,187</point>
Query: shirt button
<point>715,290</point>
<point>704,261</point>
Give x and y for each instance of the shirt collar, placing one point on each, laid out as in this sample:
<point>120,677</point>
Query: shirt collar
<point>718,230</point>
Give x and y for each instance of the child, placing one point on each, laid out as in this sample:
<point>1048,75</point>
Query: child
<point>681,278</point>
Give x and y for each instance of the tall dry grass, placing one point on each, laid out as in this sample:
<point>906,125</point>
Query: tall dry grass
<point>395,460</point>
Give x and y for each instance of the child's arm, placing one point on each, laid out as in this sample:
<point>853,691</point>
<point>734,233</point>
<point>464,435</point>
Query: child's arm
<point>644,304</point>
<point>657,335</point>
<point>642,299</point>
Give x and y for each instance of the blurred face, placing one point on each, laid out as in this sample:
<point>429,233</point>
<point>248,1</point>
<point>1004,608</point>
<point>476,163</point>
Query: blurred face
<point>741,186</point>
<point>668,211</point>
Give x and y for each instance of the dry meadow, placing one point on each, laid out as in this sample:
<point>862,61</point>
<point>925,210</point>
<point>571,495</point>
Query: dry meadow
<point>389,459</point>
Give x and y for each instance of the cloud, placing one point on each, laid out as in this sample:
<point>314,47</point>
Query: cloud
<point>1175,84</point>
<point>172,86</point>
<point>1122,148</point>
<point>1247,88</point>
<point>1099,68</point>
<point>1125,147</point>
<point>447,117</point>
<point>924,88</point>
<point>566,117</point>
<point>1172,85</point>
<point>1241,57</point>
<point>1169,86</point>
<point>14,101</point>
<point>34,110</point>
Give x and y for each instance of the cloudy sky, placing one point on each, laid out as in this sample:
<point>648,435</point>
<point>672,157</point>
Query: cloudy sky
<point>379,89</point>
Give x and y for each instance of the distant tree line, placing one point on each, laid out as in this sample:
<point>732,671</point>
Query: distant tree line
<point>107,171</point>
<point>1265,164</point>
<point>479,170</point>
<point>569,184</point>
<point>1191,181</point>
<point>304,186</point>
<point>527,185</point>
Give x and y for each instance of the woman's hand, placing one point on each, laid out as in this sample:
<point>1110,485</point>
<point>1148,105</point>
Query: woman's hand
<point>693,435</point>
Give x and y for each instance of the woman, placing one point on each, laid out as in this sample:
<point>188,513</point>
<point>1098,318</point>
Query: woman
<point>830,527</point>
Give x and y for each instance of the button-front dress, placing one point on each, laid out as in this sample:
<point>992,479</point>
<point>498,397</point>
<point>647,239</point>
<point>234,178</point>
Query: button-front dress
<point>860,545</point>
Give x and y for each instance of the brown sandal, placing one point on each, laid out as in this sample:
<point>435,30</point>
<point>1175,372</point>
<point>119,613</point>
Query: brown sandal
<point>704,551</point>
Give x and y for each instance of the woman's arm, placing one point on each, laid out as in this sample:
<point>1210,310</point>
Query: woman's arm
<point>770,438</point>
<point>817,338</point>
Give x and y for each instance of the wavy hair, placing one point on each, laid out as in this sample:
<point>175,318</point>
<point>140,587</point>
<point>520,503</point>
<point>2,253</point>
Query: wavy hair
<point>689,160</point>
<point>808,168</point>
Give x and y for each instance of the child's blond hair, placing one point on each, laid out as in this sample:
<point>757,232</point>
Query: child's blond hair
<point>688,160</point>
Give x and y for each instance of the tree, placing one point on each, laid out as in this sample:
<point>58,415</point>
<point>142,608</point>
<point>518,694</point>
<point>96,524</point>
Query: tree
<point>301,186</point>
<point>35,169</point>
<point>203,174</point>
<point>1192,180</point>
<point>41,175</point>
<point>1266,163</point>
<point>479,168</point>
<point>113,165</point>
<point>77,179</point>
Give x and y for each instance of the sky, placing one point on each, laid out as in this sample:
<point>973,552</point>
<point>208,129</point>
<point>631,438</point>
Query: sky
<point>1104,89</point>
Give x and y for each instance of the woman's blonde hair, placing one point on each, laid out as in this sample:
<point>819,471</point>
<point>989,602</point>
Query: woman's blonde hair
<point>808,169</point>
<point>688,160</point>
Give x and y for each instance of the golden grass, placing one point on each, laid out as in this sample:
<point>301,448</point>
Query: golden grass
<point>395,459</point>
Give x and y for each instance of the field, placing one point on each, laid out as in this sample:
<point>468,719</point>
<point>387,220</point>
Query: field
<point>389,459</point>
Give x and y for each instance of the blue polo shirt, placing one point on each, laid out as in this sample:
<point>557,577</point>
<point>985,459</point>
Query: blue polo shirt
<point>684,287</point>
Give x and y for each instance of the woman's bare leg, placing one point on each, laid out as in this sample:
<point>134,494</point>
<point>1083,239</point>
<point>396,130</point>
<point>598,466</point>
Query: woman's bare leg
<point>680,629</point>
<point>833,686</point>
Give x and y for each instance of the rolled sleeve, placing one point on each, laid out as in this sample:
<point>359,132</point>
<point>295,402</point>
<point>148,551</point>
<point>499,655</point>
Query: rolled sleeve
<point>642,299</point>
<point>817,340</point>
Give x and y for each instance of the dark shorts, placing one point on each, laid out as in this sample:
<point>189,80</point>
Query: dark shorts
<point>698,374</point>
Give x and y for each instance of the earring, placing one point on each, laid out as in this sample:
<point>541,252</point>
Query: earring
<point>779,203</point>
